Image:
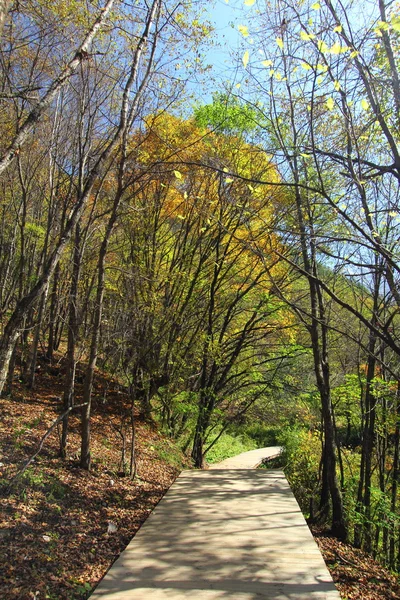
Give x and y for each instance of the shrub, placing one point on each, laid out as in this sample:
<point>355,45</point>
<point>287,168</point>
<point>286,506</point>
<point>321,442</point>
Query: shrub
<point>301,454</point>
<point>229,445</point>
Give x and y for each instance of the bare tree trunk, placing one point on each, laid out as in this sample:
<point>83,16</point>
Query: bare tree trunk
<point>318,330</point>
<point>10,375</point>
<point>88,383</point>
<point>5,6</point>
<point>128,107</point>
<point>51,343</point>
<point>395,481</point>
<point>198,440</point>
<point>368,448</point>
<point>132,461</point>
<point>32,363</point>
<point>72,337</point>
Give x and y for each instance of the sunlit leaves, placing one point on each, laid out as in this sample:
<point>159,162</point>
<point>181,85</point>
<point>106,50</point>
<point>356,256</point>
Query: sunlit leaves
<point>364,104</point>
<point>306,36</point>
<point>335,49</point>
<point>330,103</point>
<point>245,58</point>
<point>338,49</point>
<point>178,174</point>
<point>395,24</point>
<point>316,6</point>
<point>266,63</point>
<point>226,113</point>
<point>322,46</point>
<point>279,42</point>
<point>382,26</point>
<point>249,2</point>
<point>244,30</point>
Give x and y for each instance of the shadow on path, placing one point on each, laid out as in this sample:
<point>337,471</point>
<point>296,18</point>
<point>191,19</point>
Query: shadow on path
<point>217,534</point>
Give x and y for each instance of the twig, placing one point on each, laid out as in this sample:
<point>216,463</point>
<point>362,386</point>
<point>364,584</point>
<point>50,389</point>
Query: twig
<point>349,562</point>
<point>42,441</point>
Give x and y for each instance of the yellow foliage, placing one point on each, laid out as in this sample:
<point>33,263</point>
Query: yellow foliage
<point>209,180</point>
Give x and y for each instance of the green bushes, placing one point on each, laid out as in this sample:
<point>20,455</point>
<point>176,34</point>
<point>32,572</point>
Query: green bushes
<point>301,456</point>
<point>263,435</point>
<point>229,445</point>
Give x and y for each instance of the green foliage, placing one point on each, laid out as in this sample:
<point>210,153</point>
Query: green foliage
<point>262,435</point>
<point>346,400</point>
<point>55,490</point>
<point>82,590</point>
<point>227,114</point>
<point>169,452</point>
<point>301,454</point>
<point>229,445</point>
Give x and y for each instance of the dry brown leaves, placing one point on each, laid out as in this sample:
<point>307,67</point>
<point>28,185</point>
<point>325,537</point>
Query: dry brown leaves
<point>61,527</point>
<point>356,574</point>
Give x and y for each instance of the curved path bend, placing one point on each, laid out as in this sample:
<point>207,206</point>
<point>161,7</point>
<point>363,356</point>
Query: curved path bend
<point>229,532</point>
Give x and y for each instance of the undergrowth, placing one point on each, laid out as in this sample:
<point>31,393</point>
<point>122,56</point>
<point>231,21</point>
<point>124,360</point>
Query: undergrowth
<point>229,445</point>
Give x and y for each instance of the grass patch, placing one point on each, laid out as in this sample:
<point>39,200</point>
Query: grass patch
<point>169,452</point>
<point>229,445</point>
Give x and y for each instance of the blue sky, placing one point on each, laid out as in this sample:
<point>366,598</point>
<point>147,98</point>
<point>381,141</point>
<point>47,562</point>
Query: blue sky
<point>225,17</point>
<point>226,37</point>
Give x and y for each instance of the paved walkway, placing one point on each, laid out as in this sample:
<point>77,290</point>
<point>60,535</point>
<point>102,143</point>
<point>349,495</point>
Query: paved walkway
<point>224,533</point>
<point>248,460</point>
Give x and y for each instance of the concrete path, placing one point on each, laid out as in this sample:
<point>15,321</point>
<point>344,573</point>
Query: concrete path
<point>233,534</point>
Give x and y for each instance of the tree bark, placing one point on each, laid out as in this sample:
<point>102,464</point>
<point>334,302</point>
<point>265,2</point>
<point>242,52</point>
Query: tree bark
<point>72,337</point>
<point>5,6</point>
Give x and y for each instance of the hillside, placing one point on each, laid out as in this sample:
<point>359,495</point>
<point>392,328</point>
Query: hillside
<point>62,527</point>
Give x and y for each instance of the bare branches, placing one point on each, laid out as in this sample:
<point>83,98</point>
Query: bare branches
<point>41,107</point>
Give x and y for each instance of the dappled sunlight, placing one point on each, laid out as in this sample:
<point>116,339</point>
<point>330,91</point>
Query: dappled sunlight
<point>222,533</point>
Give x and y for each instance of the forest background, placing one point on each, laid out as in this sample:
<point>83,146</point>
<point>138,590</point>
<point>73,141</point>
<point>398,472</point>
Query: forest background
<point>233,262</point>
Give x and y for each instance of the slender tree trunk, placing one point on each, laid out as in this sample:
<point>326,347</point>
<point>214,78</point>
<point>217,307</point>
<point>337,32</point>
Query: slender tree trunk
<point>51,343</point>
<point>72,337</point>
<point>89,375</point>
<point>358,529</point>
<point>395,482</point>
<point>10,375</point>
<point>132,461</point>
<point>319,339</point>
<point>368,447</point>
<point>94,346</point>
<point>128,108</point>
<point>5,6</point>
<point>35,342</point>
<point>198,440</point>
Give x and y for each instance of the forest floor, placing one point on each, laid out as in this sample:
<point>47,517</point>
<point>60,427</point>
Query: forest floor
<point>61,527</point>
